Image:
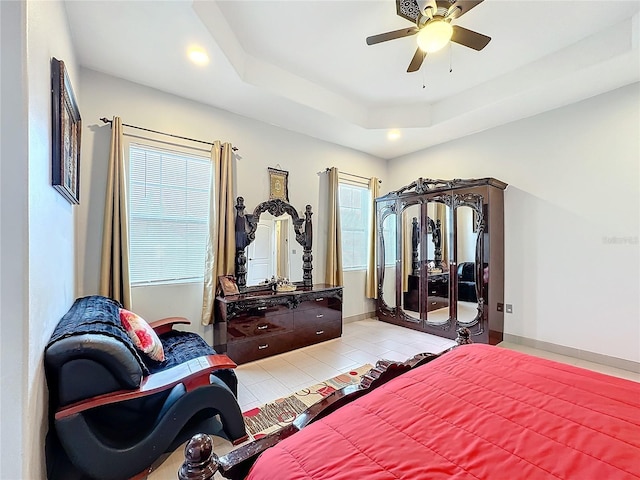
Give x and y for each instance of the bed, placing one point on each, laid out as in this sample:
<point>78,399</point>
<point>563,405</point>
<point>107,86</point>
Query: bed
<point>478,411</point>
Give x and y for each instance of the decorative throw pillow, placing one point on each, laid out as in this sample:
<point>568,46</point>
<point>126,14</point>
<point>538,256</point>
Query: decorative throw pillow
<point>142,335</point>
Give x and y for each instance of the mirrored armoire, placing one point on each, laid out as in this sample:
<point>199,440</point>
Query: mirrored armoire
<point>441,257</point>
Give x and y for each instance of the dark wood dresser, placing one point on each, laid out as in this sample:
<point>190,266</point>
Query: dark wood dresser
<point>438,292</point>
<point>257,324</point>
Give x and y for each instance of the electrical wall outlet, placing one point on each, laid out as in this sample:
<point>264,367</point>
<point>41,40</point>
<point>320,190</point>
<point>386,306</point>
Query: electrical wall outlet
<point>501,307</point>
<point>509,308</point>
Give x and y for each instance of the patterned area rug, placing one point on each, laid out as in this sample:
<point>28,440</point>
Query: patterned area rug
<point>272,416</point>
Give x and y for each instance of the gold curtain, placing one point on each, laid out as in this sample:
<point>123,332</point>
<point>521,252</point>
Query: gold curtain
<point>333,272</point>
<point>221,244</point>
<point>371,288</point>
<point>114,268</point>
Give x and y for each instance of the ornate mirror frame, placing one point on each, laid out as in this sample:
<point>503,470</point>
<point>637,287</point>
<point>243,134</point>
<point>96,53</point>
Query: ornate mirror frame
<point>475,202</point>
<point>245,230</point>
<point>382,214</point>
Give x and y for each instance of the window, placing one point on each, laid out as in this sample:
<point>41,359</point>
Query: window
<point>168,215</point>
<point>354,225</point>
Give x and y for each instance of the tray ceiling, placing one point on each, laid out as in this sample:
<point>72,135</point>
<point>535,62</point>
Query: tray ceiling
<point>304,65</point>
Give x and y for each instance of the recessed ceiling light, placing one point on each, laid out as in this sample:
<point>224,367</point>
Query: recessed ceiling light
<point>393,134</point>
<point>198,55</point>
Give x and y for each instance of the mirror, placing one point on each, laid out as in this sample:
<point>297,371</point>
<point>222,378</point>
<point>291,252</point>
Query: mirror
<point>467,308</point>
<point>388,256</point>
<point>442,265</point>
<point>273,253</point>
<point>411,260</point>
<point>266,234</point>
<point>438,254</point>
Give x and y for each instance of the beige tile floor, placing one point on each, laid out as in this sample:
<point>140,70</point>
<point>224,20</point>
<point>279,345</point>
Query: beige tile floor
<point>365,341</point>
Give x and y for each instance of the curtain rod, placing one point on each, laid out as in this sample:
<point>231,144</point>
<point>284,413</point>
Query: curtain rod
<point>340,172</point>
<point>106,120</point>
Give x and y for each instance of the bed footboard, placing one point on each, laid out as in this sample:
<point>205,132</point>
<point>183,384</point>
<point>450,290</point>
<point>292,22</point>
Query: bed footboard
<point>201,463</point>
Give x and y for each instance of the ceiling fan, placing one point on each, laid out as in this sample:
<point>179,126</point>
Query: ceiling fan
<point>433,26</point>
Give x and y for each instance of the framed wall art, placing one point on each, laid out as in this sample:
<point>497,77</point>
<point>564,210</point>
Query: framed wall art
<point>228,285</point>
<point>66,129</point>
<point>278,184</point>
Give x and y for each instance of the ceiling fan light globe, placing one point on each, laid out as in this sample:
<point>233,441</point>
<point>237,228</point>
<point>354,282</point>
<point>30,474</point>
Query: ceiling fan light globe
<point>434,36</point>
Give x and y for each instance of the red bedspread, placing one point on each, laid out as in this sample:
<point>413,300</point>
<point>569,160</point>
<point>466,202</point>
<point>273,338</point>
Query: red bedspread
<point>478,412</point>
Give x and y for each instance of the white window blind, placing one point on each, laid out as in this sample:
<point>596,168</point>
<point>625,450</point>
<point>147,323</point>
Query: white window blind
<point>168,215</point>
<point>354,221</point>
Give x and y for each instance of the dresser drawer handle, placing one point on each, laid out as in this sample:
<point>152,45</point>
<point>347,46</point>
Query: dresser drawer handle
<point>263,327</point>
<point>262,308</point>
<point>319,332</point>
<point>433,291</point>
<point>319,315</point>
<point>262,347</point>
<point>319,299</point>
<point>433,303</point>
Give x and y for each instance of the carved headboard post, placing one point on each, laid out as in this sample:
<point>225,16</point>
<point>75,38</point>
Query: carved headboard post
<point>241,243</point>
<point>437,242</point>
<point>307,257</point>
<point>415,240</point>
<point>200,463</point>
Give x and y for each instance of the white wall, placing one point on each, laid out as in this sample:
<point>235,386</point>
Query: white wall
<point>38,237</point>
<point>13,239</point>
<point>52,239</point>
<point>571,218</point>
<point>260,146</point>
<point>466,248</point>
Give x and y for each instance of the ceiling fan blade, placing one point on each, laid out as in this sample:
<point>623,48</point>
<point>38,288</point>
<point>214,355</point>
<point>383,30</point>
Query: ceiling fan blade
<point>416,61</point>
<point>469,38</point>
<point>460,8</point>
<point>383,37</point>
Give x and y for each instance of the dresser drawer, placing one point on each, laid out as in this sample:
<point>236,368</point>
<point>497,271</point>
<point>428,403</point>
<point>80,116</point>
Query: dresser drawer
<point>438,286</point>
<point>314,332</point>
<point>257,325</point>
<point>435,303</point>
<point>259,347</point>
<point>261,311</point>
<point>312,316</point>
<point>321,302</point>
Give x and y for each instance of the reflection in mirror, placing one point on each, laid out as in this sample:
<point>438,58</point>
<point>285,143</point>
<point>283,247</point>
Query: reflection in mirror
<point>411,260</point>
<point>272,253</point>
<point>389,254</point>
<point>275,236</point>
<point>439,251</point>
<point>467,238</point>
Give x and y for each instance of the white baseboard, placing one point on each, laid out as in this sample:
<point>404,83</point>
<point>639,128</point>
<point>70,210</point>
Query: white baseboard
<point>361,316</point>
<point>575,353</point>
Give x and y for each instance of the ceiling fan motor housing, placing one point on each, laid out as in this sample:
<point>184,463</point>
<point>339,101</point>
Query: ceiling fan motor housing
<point>427,7</point>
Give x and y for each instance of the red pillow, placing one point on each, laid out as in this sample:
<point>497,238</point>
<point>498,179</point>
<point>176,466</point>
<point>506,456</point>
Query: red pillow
<point>142,335</point>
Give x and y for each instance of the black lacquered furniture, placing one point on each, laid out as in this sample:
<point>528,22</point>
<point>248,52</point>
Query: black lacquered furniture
<point>115,413</point>
<point>260,323</point>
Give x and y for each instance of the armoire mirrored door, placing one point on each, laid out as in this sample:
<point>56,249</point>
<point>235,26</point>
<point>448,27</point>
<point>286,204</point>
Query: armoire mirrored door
<point>442,259</point>
<point>387,262</point>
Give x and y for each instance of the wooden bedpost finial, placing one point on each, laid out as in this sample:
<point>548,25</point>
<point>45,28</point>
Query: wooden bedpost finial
<point>200,463</point>
<point>464,336</point>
